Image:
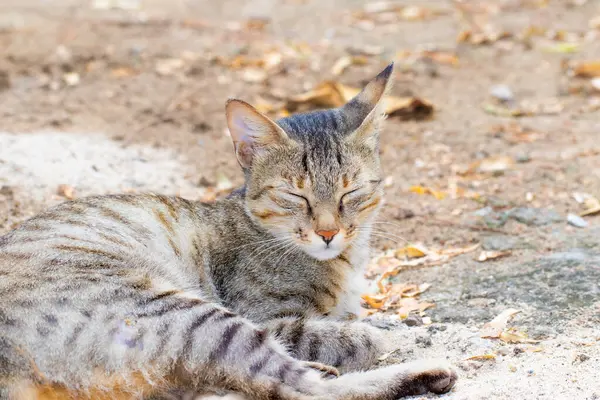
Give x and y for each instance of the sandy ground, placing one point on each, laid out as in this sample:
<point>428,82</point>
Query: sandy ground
<point>86,103</point>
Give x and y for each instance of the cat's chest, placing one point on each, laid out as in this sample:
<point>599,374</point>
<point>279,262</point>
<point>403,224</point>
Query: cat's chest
<point>350,274</point>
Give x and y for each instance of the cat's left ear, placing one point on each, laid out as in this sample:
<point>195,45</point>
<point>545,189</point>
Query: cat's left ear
<point>251,131</point>
<point>369,108</point>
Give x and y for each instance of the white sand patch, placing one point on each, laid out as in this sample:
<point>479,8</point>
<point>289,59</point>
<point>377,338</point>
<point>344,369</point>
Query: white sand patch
<point>91,163</point>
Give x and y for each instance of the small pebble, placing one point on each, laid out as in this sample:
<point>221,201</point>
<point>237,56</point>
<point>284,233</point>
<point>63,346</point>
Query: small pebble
<point>423,341</point>
<point>502,93</point>
<point>577,221</point>
<point>413,320</point>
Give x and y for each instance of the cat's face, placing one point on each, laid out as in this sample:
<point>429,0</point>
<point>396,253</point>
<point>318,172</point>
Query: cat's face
<point>313,180</point>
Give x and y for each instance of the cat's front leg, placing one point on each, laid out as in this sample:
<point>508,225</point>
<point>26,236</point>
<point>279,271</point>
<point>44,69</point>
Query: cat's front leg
<point>349,346</point>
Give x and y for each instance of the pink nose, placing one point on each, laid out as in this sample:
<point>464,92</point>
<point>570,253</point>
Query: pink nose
<point>328,235</point>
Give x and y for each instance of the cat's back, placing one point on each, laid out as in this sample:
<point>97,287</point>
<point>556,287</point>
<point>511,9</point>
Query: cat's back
<point>107,237</point>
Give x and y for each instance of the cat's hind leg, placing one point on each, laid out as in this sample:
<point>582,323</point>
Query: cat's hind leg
<point>349,346</point>
<point>143,341</point>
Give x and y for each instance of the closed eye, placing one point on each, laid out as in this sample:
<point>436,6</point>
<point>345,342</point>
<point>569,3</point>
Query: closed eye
<point>349,193</point>
<point>304,199</point>
<point>345,195</point>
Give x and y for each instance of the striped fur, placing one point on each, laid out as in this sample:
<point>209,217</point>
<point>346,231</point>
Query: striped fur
<point>145,296</point>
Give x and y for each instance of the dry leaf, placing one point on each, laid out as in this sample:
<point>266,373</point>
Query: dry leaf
<point>515,133</point>
<point>482,357</point>
<point>412,290</point>
<point>588,69</point>
<point>591,203</point>
<point>425,190</point>
<point>477,37</point>
<point>513,336</point>
<point>453,252</point>
<point>564,47</point>
<point>66,191</point>
<point>412,251</point>
<point>492,255</point>
<point>387,355</point>
<point>122,72</point>
<point>375,301</point>
<point>492,165</point>
<point>332,94</point>
<point>495,327</point>
<point>344,62</point>
<point>340,65</point>
<point>257,23</point>
<point>393,265</point>
<point>441,57</point>
<point>408,305</point>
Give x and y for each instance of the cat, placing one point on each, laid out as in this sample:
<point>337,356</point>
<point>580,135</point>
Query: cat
<point>139,296</point>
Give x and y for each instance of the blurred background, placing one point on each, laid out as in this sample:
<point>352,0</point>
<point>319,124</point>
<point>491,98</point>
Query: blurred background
<point>491,151</point>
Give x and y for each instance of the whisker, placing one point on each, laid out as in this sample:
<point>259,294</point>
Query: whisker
<point>387,235</point>
<point>255,243</point>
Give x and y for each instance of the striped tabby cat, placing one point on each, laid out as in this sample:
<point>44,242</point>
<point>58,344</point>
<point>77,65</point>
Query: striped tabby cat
<point>139,296</point>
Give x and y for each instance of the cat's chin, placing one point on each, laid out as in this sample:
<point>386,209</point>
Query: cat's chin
<point>324,254</point>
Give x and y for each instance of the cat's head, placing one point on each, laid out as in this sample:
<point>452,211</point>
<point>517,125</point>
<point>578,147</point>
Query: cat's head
<point>313,180</point>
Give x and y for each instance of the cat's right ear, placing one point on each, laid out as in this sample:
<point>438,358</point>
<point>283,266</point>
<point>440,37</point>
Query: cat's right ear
<point>251,131</point>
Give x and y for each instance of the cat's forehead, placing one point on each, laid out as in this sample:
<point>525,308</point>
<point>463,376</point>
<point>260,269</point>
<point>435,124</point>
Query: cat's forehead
<point>324,155</point>
<point>314,126</point>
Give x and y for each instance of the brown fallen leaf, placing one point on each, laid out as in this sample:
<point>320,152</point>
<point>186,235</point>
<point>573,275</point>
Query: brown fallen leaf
<point>481,357</point>
<point>412,290</point>
<point>563,48</point>
<point>375,300</point>
<point>476,37</point>
<point>492,255</point>
<point>387,355</point>
<point>425,190</point>
<point>456,251</point>
<point>514,336</point>
<point>332,94</point>
<point>491,165</point>
<point>346,61</point>
<point>441,57</point>
<point>393,266</point>
<point>412,251</point>
<point>495,327</point>
<point>587,69</point>
<point>589,202</point>
<point>258,24</point>
<point>66,191</point>
<point>122,72</point>
<point>410,304</point>
<point>515,133</point>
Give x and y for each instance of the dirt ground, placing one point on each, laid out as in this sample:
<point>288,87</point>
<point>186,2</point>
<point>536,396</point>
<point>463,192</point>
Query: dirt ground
<point>113,100</point>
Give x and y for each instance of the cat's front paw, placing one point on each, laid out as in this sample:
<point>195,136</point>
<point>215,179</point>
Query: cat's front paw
<point>431,376</point>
